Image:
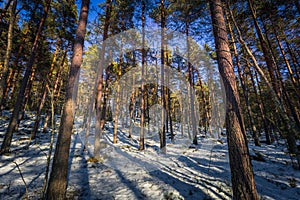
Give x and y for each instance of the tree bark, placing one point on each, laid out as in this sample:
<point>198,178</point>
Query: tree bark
<point>190,70</point>
<point>142,138</point>
<point>118,97</point>
<point>98,131</point>
<point>243,84</point>
<point>58,178</point>
<point>169,106</point>
<point>241,170</point>
<point>163,100</point>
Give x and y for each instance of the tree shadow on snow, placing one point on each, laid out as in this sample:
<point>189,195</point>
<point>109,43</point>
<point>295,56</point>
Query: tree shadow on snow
<point>80,175</point>
<point>185,188</point>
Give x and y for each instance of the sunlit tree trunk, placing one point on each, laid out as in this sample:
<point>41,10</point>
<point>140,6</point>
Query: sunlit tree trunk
<point>170,117</point>
<point>163,100</point>
<point>169,106</point>
<point>98,131</point>
<point>142,138</point>
<point>242,177</point>
<point>105,98</point>
<point>243,84</point>
<point>58,178</point>
<point>118,97</point>
<point>132,100</point>
<point>190,71</point>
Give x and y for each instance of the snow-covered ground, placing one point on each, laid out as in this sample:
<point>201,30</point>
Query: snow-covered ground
<point>201,172</point>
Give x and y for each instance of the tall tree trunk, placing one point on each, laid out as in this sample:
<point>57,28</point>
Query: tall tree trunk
<point>243,84</point>
<point>190,69</point>
<point>131,110</point>
<point>171,136</point>
<point>142,138</point>
<point>180,117</point>
<point>118,96</point>
<point>163,101</point>
<point>241,170</point>
<point>105,97</point>
<point>119,74</point>
<point>58,178</point>
<point>169,106</point>
<point>14,118</point>
<point>132,101</point>
<point>98,131</point>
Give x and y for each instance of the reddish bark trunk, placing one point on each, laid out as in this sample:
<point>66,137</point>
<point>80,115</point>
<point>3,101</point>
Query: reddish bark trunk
<point>242,178</point>
<point>58,178</point>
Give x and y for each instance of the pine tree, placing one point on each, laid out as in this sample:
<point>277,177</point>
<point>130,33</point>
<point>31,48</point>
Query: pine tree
<point>242,177</point>
<point>58,178</point>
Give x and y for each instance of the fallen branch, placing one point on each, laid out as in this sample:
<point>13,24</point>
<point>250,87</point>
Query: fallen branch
<point>20,172</point>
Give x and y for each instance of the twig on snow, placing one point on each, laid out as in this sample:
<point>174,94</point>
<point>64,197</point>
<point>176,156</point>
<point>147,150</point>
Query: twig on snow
<point>20,172</point>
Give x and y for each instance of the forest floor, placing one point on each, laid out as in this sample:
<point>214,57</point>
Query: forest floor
<point>184,172</point>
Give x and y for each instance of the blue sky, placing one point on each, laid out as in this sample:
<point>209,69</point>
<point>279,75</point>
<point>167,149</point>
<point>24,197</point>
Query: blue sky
<point>93,4</point>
